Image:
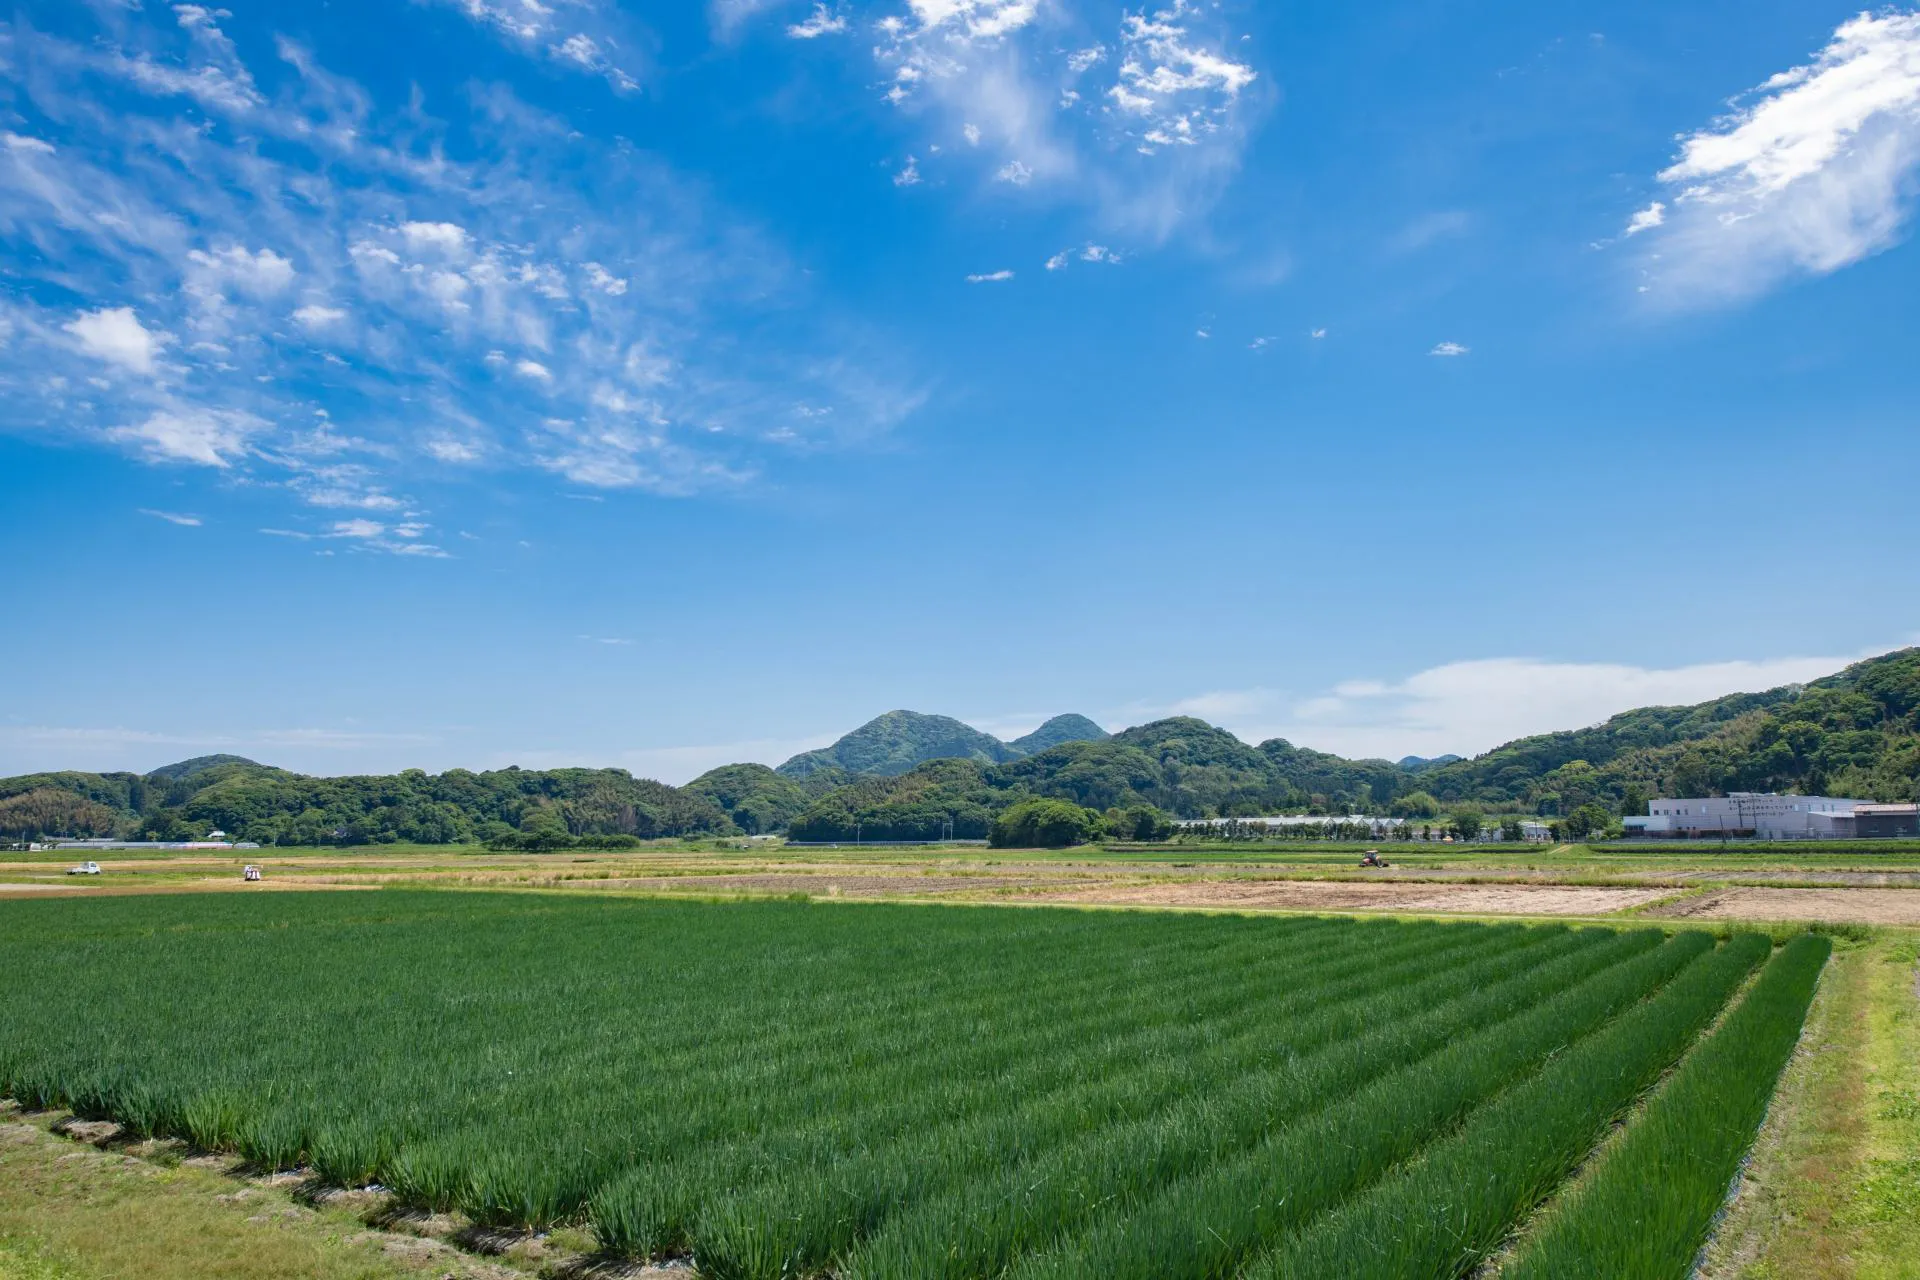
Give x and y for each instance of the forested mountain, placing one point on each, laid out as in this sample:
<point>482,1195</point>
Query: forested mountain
<point>893,743</point>
<point>1067,728</point>
<point>1855,734</point>
<point>272,806</point>
<point>758,799</point>
<point>897,741</point>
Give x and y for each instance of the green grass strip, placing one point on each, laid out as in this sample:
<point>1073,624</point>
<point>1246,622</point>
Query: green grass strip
<point>1442,1214</point>
<point>1648,1206</point>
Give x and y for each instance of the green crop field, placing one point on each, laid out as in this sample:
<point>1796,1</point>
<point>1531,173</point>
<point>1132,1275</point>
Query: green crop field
<point>781,1089</point>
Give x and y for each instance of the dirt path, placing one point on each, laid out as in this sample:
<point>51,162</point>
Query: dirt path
<point>1312,895</point>
<point>1834,906</point>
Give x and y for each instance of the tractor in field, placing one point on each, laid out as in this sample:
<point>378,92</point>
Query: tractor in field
<point>1372,858</point>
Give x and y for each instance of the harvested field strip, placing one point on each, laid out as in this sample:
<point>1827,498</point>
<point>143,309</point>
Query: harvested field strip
<point>1446,1212</point>
<point>1647,1208</point>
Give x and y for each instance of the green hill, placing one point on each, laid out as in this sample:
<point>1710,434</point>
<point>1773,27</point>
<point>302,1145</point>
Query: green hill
<point>272,806</point>
<point>911,776</point>
<point>897,741</point>
<point>184,769</point>
<point>1854,734</point>
<point>1066,728</point>
<point>757,799</point>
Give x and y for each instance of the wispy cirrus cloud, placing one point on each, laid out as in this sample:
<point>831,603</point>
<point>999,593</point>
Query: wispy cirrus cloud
<point>1813,170</point>
<point>282,283</point>
<point>1143,121</point>
<point>173,517</point>
<point>577,35</point>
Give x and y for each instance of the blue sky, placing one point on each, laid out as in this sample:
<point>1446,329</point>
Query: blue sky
<point>475,382</point>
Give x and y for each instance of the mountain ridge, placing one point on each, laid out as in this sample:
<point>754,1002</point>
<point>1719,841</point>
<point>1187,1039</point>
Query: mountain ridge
<point>896,741</point>
<point>1855,733</point>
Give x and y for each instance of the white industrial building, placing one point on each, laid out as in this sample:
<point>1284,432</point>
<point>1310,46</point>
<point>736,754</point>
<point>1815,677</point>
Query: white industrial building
<point>1763,815</point>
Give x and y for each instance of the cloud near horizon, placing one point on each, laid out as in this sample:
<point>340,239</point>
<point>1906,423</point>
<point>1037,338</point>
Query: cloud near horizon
<point>1465,708</point>
<point>1469,708</point>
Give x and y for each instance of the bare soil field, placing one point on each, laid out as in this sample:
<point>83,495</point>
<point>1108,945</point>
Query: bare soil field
<point>1831,906</point>
<point>828,884</point>
<point>1324,895</point>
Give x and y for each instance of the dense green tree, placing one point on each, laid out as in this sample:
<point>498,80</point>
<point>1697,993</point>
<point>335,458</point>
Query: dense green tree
<point>1415,804</point>
<point>1142,822</point>
<point>53,811</point>
<point>1466,823</point>
<point>1588,822</point>
<point>1045,824</point>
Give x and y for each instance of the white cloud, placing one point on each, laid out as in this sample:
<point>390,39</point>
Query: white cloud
<point>262,272</point>
<point>604,280</point>
<point>909,175</point>
<point>115,334</point>
<point>821,22</point>
<point>447,449</point>
<point>998,73</point>
<point>172,517</point>
<point>1203,333</point>
<point>1058,261</point>
<point>211,438</point>
<point>314,316</point>
<point>1815,172</point>
<point>578,34</point>
<point>990,277</point>
<point>1177,90</point>
<point>1083,59</point>
<point>235,219</point>
<point>21,143</point>
<point>1471,707</point>
<point>729,16</point>
<point>1099,253</point>
<point>975,19</point>
<point>533,369</point>
<point>1259,344</point>
<point>358,528</point>
<point>1646,219</point>
<point>1316,333</point>
<point>445,237</point>
<point>1448,349</point>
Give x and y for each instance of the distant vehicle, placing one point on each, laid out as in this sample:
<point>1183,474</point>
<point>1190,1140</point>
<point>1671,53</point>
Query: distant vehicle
<point>1373,859</point>
<point>85,869</point>
<point>251,873</point>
